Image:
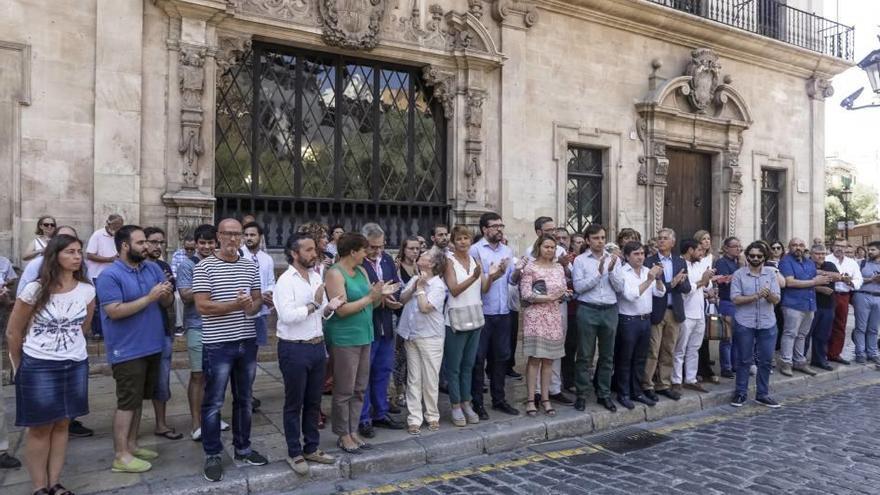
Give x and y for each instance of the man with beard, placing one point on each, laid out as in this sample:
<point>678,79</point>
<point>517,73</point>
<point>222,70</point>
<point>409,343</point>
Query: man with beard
<point>754,289</point>
<point>440,237</point>
<point>155,251</point>
<point>133,292</point>
<point>252,250</point>
<point>843,291</point>
<point>301,304</point>
<point>684,360</point>
<point>867,306</point>
<point>798,306</point>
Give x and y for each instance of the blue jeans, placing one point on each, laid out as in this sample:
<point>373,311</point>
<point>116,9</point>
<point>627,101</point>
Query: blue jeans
<point>821,332</point>
<point>262,329</point>
<point>381,366</point>
<point>302,367</point>
<point>163,383</point>
<point>631,344</point>
<point>726,348</point>
<point>747,340</point>
<point>494,347</point>
<point>236,360</point>
<point>864,335</point>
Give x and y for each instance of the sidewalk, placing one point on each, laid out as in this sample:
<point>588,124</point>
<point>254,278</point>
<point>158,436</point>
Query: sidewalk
<point>179,467</point>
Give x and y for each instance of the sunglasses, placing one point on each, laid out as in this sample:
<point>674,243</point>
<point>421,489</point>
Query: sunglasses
<point>756,256</point>
<point>776,248</point>
<point>48,224</point>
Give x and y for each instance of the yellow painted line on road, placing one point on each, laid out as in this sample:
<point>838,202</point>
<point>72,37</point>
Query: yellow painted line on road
<point>594,449</point>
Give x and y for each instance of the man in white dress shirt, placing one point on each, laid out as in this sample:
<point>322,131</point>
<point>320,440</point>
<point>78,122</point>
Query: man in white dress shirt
<point>690,338</point>
<point>300,302</point>
<point>843,292</point>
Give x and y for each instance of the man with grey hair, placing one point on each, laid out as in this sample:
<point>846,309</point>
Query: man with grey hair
<point>667,315</point>
<point>379,266</point>
<point>798,306</point>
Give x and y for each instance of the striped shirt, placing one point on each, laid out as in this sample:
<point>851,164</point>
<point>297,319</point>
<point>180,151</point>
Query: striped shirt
<point>223,280</point>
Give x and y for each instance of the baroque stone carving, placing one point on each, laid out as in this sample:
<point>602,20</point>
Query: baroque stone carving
<point>504,9</point>
<point>819,88</point>
<point>475,7</point>
<point>351,23</point>
<point>474,112</point>
<point>705,72</point>
<point>473,118</point>
<point>443,83</point>
<point>229,53</point>
<point>642,177</point>
<point>291,10</point>
<point>472,172</point>
<point>191,79</point>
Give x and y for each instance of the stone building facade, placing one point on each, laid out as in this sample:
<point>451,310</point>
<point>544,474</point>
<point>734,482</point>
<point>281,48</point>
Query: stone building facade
<point>638,113</point>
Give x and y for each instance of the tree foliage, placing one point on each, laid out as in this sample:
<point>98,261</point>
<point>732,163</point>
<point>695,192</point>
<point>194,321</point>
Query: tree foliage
<point>862,207</point>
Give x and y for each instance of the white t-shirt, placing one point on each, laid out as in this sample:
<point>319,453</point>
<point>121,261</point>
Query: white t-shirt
<point>102,244</point>
<point>695,299</point>
<point>55,333</point>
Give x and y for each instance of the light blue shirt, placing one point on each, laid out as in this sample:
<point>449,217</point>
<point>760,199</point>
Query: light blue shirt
<point>590,286</point>
<point>495,301</point>
<point>759,314</point>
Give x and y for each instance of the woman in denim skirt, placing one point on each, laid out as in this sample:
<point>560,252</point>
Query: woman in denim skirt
<point>48,351</point>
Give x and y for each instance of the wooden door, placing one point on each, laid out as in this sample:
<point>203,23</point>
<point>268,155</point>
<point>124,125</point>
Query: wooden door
<point>688,206</point>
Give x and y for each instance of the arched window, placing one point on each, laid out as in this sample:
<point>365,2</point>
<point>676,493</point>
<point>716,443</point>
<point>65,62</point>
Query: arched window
<point>304,136</point>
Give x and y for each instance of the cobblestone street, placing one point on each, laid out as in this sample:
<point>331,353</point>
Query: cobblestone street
<point>819,442</point>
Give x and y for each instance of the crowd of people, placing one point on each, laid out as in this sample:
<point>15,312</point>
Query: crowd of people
<point>622,321</point>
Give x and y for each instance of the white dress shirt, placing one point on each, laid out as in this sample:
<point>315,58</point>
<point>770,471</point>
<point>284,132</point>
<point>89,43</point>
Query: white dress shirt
<point>695,299</point>
<point>266,268</point>
<point>589,285</point>
<point>849,267</point>
<point>631,302</point>
<point>292,295</point>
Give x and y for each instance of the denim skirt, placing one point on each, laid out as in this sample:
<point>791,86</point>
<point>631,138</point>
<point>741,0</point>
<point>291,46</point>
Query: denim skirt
<point>47,391</point>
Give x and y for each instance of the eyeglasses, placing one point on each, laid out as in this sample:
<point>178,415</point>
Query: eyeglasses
<point>776,248</point>
<point>495,226</point>
<point>756,256</point>
<point>48,224</point>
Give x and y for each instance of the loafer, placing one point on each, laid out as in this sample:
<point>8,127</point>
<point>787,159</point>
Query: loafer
<point>134,466</point>
<point>481,412</point>
<point>389,423</point>
<point>320,457</point>
<point>607,403</point>
<point>514,375</point>
<point>727,374</point>
<point>9,462</point>
<point>625,402</point>
<point>696,387</point>
<point>506,408</point>
<point>840,360</point>
<point>785,369</point>
<point>803,368</point>
<point>299,465</point>
<point>644,399</point>
<point>671,393</point>
<point>651,395</point>
<point>76,429</point>
<point>366,431</point>
<point>581,404</point>
<point>561,398</point>
<point>822,366</point>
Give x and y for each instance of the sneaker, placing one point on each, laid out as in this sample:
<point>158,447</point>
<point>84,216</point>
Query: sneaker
<point>9,462</point>
<point>738,400</point>
<point>76,429</point>
<point>767,401</point>
<point>469,414</point>
<point>253,458</point>
<point>458,418</point>
<point>213,468</point>
<point>196,435</point>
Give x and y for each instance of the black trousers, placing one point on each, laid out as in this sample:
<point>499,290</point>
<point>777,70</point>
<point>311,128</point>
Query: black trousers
<point>494,347</point>
<point>630,353</point>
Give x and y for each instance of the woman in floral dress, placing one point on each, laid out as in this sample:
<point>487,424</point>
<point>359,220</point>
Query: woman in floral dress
<point>542,286</point>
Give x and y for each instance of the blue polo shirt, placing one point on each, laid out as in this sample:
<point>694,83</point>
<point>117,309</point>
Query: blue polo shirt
<point>142,333</point>
<point>798,299</point>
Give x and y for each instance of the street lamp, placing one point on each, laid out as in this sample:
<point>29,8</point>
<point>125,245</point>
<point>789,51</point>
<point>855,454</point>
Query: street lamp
<point>845,197</point>
<point>871,66</point>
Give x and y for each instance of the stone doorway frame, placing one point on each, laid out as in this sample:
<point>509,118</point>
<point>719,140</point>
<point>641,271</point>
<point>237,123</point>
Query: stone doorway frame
<point>696,112</point>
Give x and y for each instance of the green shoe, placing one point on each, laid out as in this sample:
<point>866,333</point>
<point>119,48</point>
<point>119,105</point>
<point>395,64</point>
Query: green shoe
<point>145,454</point>
<point>135,466</point>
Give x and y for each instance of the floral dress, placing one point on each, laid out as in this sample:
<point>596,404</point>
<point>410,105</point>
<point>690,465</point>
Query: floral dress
<point>543,335</point>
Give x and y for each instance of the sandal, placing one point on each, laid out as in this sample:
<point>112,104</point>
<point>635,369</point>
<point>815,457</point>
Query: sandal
<point>548,409</point>
<point>169,434</point>
<point>356,450</point>
<point>531,410</point>
<point>58,489</point>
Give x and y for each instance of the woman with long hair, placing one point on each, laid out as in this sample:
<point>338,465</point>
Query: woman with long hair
<point>45,230</point>
<point>543,286</point>
<point>349,334</point>
<point>704,368</point>
<point>47,348</point>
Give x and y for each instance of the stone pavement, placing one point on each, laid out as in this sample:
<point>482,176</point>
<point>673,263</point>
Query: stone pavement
<point>180,464</point>
<point>823,440</point>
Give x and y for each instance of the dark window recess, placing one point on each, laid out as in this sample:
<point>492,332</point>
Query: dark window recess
<point>771,189</point>
<point>583,189</point>
<point>304,136</point>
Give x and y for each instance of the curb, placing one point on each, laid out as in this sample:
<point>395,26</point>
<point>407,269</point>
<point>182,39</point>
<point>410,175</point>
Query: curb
<point>459,444</point>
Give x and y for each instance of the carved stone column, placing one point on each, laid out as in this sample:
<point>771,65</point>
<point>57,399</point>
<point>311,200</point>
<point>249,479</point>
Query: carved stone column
<point>659,166</point>
<point>191,78</point>
<point>473,169</point>
<point>733,188</point>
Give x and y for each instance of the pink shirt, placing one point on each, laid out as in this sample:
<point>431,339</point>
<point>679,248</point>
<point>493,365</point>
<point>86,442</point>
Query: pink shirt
<point>102,244</point>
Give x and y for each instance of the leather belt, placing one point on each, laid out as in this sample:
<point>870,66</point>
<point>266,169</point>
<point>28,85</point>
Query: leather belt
<point>316,340</point>
<point>599,307</point>
<point>634,317</point>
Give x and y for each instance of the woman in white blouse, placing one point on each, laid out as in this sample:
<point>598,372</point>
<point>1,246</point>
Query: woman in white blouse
<point>640,284</point>
<point>45,230</point>
<point>421,327</point>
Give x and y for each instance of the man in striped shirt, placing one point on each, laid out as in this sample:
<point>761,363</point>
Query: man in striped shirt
<point>226,290</point>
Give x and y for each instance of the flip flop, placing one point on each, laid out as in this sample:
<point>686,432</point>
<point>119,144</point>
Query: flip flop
<point>169,434</point>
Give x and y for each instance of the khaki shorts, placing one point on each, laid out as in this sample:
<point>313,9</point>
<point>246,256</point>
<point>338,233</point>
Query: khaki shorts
<point>136,381</point>
<point>194,348</point>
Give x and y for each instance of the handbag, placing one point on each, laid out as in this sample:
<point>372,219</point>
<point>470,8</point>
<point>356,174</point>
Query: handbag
<point>716,327</point>
<point>466,318</point>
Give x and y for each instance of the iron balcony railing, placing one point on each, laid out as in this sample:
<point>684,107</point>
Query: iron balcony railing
<point>775,19</point>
